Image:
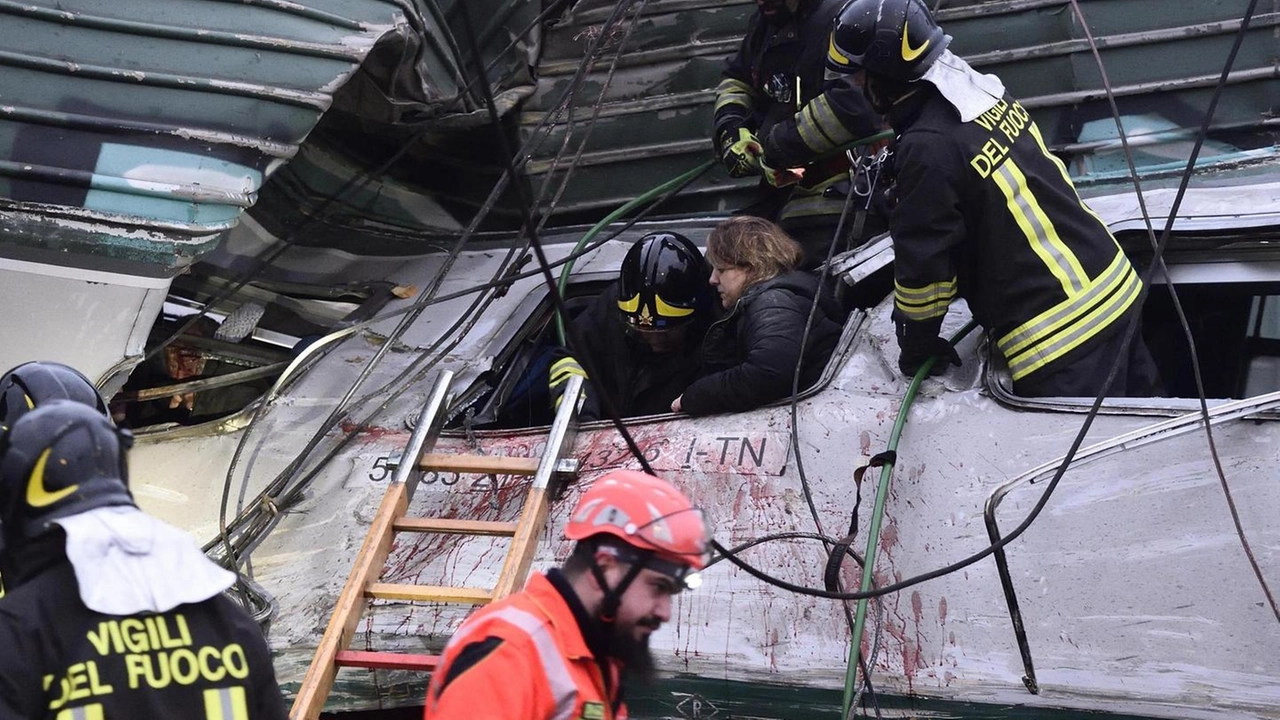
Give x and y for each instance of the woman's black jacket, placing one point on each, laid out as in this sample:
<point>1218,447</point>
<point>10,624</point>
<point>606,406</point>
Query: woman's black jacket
<point>749,356</point>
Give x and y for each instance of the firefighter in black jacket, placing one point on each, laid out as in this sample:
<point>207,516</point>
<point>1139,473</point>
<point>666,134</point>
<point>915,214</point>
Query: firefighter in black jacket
<point>32,384</point>
<point>111,613</point>
<point>985,212</point>
<point>774,111</point>
<point>644,333</point>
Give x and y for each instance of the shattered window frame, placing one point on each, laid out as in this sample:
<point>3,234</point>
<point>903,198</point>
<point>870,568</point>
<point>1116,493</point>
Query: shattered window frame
<point>527,315</point>
<point>1251,263</point>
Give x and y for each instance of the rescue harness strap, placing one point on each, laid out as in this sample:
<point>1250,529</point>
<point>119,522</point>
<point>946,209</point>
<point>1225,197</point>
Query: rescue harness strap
<point>831,578</point>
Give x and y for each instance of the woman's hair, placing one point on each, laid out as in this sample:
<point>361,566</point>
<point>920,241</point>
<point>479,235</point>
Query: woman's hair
<point>754,244</point>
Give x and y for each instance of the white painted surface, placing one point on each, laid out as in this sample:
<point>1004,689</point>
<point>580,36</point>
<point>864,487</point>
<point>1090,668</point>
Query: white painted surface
<point>85,318</point>
<point>1133,585</point>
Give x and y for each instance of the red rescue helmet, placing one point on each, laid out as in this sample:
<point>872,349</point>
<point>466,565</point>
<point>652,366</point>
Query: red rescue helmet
<point>648,514</point>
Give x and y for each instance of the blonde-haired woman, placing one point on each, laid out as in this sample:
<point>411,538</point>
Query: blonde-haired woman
<point>750,355</point>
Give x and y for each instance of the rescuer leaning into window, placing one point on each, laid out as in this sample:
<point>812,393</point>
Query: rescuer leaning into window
<point>563,647</point>
<point>985,212</point>
<point>643,334</point>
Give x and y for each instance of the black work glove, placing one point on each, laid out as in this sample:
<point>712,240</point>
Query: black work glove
<point>919,341</point>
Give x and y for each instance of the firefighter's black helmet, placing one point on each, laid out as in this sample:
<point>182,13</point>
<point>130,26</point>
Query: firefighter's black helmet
<point>895,39</point>
<point>663,281</point>
<point>32,384</point>
<point>62,458</point>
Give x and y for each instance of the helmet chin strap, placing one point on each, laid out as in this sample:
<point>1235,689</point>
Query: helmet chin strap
<point>883,95</point>
<point>612,599</point>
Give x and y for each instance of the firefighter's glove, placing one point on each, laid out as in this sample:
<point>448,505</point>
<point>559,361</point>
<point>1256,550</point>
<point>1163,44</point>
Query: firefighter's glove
<point>561,370</point>
<point>740,152</point>
<point>781,178</point>
<point>918,344</point>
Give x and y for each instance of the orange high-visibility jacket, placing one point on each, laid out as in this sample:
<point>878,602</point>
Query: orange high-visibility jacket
<point>522,658</point>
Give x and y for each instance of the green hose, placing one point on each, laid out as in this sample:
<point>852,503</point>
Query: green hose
<point>659,190</point>
<point>877,514</point>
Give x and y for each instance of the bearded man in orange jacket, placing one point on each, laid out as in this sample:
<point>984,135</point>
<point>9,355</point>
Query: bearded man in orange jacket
<point>561,648</point>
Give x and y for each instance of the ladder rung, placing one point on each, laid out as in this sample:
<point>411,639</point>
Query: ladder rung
<point>480,464</point>
<point>455,526</point>
<point>429,593</point>
<point>385,660</point>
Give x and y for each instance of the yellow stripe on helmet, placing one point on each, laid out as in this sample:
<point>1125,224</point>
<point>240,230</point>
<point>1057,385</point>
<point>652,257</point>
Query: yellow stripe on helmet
<point>630,306</point>
<point>834,54</point>
<point>671,311</point>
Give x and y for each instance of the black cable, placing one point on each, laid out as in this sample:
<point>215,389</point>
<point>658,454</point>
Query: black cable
<point>269,254</point>
<point>553,290</point>
<point>282,480</point>
<point>804,341</point>
<point>1158,262</point>
<point>790,535</point>
<point>279,491</point>
<point>1080,436</point>
<point>510,280</point>
<point>795,402</point>
<point>278,485</point>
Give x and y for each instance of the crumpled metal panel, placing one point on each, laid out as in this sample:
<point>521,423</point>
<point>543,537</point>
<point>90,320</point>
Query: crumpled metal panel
<point>160,120</point>
<point>655,118</point>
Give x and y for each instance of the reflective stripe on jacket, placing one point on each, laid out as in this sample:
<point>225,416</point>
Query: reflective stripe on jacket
<point>59,660</point>
<point>776,87</point>
<point>985,212</point>
<point>533,665</point>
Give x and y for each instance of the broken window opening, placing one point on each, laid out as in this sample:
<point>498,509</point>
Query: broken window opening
<point>233,354</point>
<point>513,393</point>
<point>1228,283</point>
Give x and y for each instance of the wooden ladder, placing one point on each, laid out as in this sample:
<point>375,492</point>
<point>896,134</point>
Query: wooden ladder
<point>549,473</point>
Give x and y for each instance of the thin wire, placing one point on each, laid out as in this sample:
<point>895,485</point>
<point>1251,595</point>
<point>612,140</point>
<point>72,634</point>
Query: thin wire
<point>270,253</point>
<point>1080,436</point>
<point>1158,261</point>
<point>531,228</point>
<point>595,114</point>
<point>282,480</point>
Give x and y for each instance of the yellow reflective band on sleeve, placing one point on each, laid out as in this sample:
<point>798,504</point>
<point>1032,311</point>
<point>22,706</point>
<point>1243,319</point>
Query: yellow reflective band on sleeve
<point>1038,229</point>
<point>731,91</point>
<point>1071,323</point>
<point>1044,149</point>
<point>671,311</point>
<point>812,201</point>
<point>84,712</point>
<point>631,305</point>
<point>819,127</point>
<point>565,368</point>
<point>834,55</point>
<point>225,704</point>
<point>924,303</point>
<point>567,364</point>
